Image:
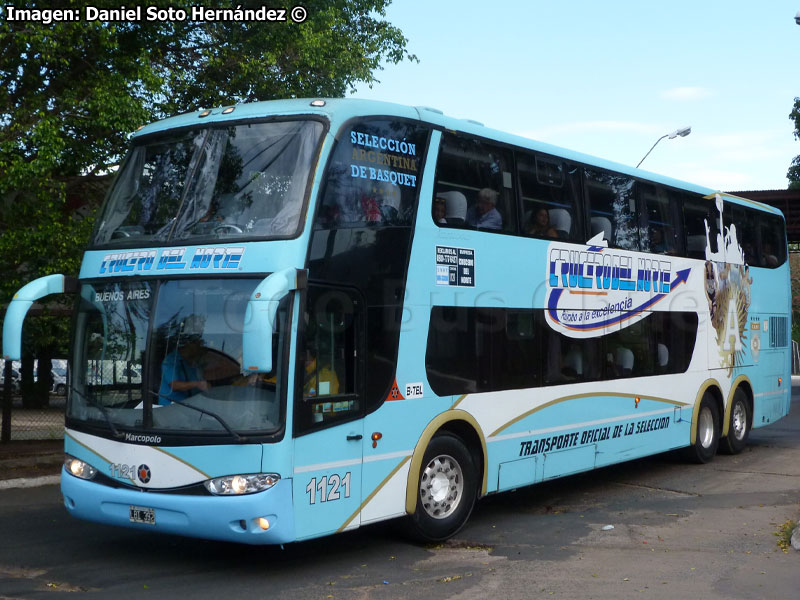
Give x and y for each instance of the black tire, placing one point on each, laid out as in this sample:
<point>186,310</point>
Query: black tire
<point>448,485</point>
<point>707,432</point>
<point>738,425</point>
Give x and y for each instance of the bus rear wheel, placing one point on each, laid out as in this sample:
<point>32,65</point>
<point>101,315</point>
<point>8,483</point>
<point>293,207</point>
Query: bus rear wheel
<point>738,426</point>
<point>447,489</point>
<point>707,431</point>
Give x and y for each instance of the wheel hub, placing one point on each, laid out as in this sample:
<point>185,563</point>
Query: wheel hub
<point>441,487</point>
<point>739,421</point>
<point>705,429</point>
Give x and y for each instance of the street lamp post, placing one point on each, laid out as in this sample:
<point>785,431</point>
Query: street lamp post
<point>682,132</point>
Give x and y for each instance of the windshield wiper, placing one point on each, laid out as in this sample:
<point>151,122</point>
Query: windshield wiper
<point>103,410</point>
<point>220,420</point>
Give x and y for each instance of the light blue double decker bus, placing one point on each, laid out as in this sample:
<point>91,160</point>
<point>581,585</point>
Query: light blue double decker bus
<point>298,317</point>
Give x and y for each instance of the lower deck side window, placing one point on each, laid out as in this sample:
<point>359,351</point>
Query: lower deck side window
<point>491,349</point>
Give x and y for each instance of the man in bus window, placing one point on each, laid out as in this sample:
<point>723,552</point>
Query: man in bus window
<point>181,372</point>
<point>657,241</point>
<point>484,214</point>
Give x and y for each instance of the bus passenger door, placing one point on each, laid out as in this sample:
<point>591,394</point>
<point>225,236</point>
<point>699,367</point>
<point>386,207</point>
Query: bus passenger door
<point>328,415</point>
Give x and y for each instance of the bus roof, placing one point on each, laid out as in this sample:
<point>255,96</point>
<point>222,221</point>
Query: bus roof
<point>340,110</point>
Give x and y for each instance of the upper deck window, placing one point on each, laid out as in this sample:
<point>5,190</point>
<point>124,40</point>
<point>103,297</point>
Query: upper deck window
<point>549,190</point>
<point>373,175</point>
<point>474,185</point>
<point>218,183</point>
<point>612,208</point>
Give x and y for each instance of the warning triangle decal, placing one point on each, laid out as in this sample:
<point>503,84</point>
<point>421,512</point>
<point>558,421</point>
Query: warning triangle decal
<point>394,393</point>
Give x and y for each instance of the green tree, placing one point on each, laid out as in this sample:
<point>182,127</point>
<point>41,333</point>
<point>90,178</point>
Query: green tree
<point>71,91</point>
<point>794,169</point>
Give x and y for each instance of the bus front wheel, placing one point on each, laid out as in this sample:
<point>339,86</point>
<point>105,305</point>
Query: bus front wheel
<point>738,426</point>
<point>447,489</point>
<point>707,431</point>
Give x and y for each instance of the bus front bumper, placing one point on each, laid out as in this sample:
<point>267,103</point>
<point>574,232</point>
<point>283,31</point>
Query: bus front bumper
<point>229,518</point>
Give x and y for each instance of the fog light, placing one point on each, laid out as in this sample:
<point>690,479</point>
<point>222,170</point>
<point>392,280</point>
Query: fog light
<point>263,523</point>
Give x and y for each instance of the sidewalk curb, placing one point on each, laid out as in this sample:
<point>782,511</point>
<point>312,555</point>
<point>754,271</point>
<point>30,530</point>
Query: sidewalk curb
<point>29,482</point>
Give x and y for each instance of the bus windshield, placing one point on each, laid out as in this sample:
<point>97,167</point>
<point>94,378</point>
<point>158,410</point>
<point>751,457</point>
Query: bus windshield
<point>206,184</point>
<point>166,357</point>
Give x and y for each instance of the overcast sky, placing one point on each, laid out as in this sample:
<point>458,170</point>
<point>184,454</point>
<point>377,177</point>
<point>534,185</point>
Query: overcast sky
<point>610,77</point>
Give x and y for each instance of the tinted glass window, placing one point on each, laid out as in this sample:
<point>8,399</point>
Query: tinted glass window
<point>660,233</point>
<point>570,360</point>
<point>331,369</point>
<point>628,352</point>
<point>483,349</point>
<point>673,336</point>
<point>550,200</point>
<point>492,349</point>
<point>373,175</point>
<point>699,213</point>
<point>738,219</point>
<point>773,240</point>
<point>474,183</point>
<point>612,208</point>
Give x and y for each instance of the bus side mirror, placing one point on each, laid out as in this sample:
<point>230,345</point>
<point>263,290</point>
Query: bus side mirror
<point>260,315</point>
<point>23,300</point>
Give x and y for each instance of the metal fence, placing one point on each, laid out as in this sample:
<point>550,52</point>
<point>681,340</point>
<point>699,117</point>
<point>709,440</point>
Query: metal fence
<point>795,358</point>
<point>46,423</point>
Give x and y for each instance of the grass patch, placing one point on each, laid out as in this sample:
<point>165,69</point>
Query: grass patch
<point>784,535</point>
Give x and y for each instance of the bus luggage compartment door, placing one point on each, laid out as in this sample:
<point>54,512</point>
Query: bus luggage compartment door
<point>565,462</point>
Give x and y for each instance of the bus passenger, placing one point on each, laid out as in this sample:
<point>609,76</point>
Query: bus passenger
<point>440,211</point>
<point>484,214</point>
<point>768,254</point>
<point>657,241</point>
<point>320,378</point>
<point>540,226</point>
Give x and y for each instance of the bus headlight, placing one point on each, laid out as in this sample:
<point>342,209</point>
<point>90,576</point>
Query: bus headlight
<point>235,485</point>
<point>78,468</point>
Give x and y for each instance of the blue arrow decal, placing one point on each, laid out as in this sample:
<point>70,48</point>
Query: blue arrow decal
<point>681,276</point>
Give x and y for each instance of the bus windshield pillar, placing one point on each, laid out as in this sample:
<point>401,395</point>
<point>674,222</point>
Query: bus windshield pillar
<point>23,300</point>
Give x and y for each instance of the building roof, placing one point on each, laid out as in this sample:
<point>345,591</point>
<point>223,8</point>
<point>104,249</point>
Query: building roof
<point>787,201</point>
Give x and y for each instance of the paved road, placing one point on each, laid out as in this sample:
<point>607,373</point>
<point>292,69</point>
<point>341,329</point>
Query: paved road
<point>679,531</point>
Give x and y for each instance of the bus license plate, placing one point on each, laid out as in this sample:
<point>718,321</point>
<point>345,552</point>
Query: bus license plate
<point>142,514</point>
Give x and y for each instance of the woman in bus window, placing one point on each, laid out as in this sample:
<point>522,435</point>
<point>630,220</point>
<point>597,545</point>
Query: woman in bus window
<point>540,226</point>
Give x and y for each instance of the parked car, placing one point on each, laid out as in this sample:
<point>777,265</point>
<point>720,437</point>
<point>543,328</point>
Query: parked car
<point>59,381</point>
<point>15,379</point>
<point>58,384</point>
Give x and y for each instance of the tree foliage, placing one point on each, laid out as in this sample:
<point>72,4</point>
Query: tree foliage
<point>71,91</point>
<point>794,169</point>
